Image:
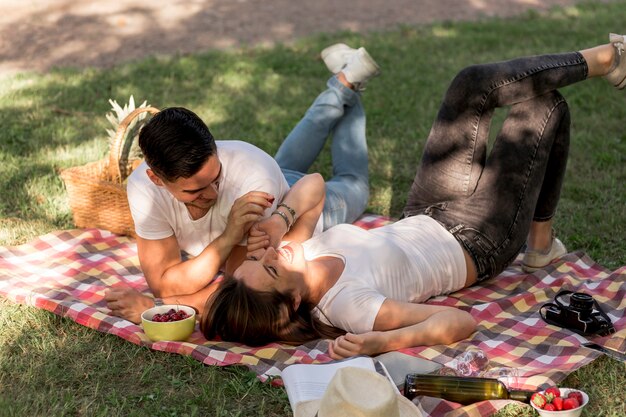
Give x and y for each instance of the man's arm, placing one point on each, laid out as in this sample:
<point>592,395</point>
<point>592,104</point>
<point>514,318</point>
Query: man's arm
<point>128,303</point>
<point>401,325</point>
<point>167,275</point>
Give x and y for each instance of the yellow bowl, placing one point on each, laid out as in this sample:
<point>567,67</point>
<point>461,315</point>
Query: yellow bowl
<point>171,330</point>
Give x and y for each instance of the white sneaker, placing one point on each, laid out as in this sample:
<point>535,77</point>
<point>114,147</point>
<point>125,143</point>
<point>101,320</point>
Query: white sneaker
<point>360,69</point>
<point>617,76</point>
<point>534,260</point>
<point>337,56</point>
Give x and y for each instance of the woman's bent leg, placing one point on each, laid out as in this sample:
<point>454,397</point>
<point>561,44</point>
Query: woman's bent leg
<point>521,181</point>
<point>456,149</point>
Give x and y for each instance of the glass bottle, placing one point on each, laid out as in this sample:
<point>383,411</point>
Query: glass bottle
<point>461,389</point>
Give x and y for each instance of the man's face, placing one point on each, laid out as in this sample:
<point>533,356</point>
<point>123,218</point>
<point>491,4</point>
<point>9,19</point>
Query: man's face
<point>200,190</point>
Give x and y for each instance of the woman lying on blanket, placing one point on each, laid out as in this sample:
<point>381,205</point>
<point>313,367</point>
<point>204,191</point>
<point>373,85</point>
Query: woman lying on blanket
<point>468,215</point>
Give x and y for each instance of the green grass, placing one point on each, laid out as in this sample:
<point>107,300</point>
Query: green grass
<point>52,366</point>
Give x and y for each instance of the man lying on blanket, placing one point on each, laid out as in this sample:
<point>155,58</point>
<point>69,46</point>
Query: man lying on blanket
<point>202,196</point>
<point>466,219</point>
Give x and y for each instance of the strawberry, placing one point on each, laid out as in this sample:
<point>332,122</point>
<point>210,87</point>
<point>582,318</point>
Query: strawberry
<point>554,391</point>
<point>558,403</point>
<point>570,403</point>
<point>577,395</point>
<point>549,407</point>
<point>539,400</point>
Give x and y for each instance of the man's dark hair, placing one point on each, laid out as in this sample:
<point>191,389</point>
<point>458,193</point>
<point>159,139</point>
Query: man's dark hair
<point>176,143</point>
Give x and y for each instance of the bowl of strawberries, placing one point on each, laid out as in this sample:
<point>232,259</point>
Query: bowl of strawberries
<point>559,402</point>
<point>168,322</point>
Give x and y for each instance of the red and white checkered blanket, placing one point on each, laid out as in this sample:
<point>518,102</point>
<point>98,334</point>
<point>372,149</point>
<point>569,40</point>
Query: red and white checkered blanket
<point>67,273</point>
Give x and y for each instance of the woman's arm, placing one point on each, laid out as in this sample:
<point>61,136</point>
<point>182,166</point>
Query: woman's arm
<point>306,199</point>
<point>401,325</point>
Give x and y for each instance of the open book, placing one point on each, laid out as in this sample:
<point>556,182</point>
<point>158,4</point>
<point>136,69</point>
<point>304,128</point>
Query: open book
<point>305,382</point>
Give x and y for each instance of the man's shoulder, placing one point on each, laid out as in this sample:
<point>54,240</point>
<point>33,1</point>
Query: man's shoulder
<point>139,176</point>
<point>243,154</point>
<point>237,145</point>
<point>139,184</point>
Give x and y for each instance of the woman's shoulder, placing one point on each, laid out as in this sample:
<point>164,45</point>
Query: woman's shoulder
<point>351,305</point>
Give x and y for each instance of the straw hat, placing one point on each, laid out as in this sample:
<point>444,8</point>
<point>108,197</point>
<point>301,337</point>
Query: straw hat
<point>358,392</point>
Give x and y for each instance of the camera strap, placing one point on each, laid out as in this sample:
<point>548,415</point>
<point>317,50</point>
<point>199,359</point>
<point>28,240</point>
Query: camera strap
<point>557,304</point>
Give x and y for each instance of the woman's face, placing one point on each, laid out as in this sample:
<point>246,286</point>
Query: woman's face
<point>279,269</point>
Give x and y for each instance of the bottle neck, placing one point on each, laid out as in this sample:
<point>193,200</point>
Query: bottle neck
<point>519,395</point>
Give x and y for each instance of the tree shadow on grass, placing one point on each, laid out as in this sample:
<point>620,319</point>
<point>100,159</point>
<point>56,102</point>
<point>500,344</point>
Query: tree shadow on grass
<point>57,120</point>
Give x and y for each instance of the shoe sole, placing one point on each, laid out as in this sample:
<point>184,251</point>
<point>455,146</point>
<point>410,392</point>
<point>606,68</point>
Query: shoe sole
<point>530,269</point>
<point>618,80</point>
<point>328,51</point>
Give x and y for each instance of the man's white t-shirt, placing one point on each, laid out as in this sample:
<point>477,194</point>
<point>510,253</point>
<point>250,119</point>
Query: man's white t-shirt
<point>157,214</point>
<point>410,260</point>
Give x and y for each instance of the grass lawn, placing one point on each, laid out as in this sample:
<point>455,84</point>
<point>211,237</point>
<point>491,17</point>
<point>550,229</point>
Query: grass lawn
<point>51,366</point>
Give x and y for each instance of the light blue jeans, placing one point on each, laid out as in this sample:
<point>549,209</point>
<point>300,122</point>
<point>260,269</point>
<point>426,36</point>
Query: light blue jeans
<point>337,111</point>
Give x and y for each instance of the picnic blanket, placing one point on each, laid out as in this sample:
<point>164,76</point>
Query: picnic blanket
<point>67,273</point>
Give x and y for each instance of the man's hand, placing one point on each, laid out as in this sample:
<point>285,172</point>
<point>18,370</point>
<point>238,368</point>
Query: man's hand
<point>127,303</point>
<point>350,344</point>
<point>247,210</point>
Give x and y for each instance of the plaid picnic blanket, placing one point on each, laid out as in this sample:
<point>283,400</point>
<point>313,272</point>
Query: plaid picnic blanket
<point>67,273</point>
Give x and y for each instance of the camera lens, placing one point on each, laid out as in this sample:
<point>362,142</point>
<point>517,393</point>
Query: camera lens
<point>581,301</point>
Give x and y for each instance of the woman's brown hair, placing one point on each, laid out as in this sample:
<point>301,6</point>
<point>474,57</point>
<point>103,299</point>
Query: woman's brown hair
<point>237,313</point>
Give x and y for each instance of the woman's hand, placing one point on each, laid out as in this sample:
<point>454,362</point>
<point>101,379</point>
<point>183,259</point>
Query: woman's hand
<point>266,233</point>
<point>257,240</point>
<point>350,344</point>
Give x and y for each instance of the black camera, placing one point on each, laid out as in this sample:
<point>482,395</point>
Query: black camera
<point>582,314</point>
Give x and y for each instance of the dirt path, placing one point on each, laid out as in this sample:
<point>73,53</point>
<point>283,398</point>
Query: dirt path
<point>41,34</point>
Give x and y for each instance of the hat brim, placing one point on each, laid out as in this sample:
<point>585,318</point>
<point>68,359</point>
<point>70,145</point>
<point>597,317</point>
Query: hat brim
<point>307,408</point>
<point>406,407</point>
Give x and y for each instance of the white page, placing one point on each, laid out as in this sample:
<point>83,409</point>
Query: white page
<point>305,382</point>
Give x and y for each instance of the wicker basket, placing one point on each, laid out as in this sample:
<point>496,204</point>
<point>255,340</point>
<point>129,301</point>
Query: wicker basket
<point>97,191</point>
